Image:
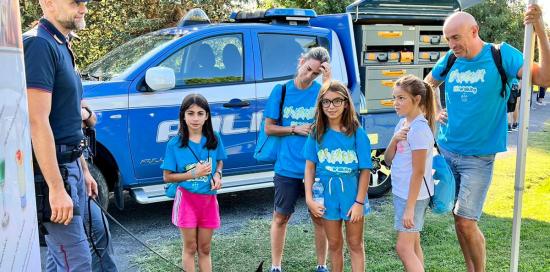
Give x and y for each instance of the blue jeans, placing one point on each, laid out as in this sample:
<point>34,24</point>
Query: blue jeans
<point>399,205</point>
<point>473,176</point>
<point>68,248</point>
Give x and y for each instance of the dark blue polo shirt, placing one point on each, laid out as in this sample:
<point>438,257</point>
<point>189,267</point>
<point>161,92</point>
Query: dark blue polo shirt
<point>49,66</point>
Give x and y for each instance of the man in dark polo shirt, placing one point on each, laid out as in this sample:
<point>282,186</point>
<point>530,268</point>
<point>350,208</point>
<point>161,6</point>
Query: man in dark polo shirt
<point>54,93</point>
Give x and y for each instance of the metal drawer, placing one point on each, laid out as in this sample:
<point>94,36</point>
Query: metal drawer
<point>388,35</point>
<point>392,72</point>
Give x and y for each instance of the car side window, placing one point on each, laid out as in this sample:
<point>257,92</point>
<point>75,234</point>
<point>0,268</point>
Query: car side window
<point>280,53</point>
<point>213,60</point>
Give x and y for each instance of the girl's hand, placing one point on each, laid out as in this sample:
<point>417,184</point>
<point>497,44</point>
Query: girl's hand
<point>216,182</point>
<point>315,208</point>
<point>355,213</point>
<point>408,218</point>
<point>401,135</point>
<point>203,169</point>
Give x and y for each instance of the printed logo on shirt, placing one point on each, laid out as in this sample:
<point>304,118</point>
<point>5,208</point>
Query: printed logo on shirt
<point>337,156</point>
<point>297,114</point>
<point>401,146</point>
<point>466,77</point>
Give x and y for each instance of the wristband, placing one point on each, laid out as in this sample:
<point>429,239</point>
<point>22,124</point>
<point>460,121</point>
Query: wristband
<point>360,203</point>
<point>193,173</point>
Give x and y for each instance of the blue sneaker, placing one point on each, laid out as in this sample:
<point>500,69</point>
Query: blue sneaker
<point>321,269</point>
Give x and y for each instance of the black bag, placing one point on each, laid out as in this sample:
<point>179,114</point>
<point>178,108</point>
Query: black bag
<point>43,209</point>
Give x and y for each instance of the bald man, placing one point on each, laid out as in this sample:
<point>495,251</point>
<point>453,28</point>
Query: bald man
<point>473,126</point>
<point>54,94</point>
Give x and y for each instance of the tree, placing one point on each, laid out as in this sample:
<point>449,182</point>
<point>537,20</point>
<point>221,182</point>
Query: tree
<point>506,27</point>
<point>320,6</point>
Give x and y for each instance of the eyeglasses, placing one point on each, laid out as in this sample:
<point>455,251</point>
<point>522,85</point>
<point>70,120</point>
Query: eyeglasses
<point>337,102</point>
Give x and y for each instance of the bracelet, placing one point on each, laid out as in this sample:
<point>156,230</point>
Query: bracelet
<point>360,203</point>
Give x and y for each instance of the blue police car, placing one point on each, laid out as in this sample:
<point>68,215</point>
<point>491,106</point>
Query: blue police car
<point>136,91</point>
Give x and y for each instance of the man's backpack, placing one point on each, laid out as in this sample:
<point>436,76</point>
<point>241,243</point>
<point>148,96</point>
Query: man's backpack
<point>497,57</point>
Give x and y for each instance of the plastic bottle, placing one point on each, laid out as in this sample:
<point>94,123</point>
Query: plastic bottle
<point>318,192</point>
<point>366,208</point>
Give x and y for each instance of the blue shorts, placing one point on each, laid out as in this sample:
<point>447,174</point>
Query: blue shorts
<point>473,176</point>
<point>340,193</point>
<point>287,192</point>
<point>399,205</point>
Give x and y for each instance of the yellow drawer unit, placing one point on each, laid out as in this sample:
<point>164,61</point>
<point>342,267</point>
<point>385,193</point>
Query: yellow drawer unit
<point>379,84</point>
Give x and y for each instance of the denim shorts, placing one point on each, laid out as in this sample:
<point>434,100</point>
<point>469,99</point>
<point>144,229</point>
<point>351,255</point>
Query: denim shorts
<point>473,176</point>
<point>399,205</point>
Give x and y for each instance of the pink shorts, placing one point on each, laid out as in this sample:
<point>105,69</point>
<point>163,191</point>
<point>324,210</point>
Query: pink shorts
<point>192,210</point>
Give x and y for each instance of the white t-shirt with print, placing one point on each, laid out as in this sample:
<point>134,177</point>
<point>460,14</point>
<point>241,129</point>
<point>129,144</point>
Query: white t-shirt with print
<point>419,137</point>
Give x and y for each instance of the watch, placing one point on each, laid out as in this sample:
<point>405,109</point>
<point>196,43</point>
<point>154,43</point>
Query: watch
<point>292,130</point>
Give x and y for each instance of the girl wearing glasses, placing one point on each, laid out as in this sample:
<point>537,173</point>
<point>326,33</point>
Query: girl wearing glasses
<point>338,153</point>
<point>410,155</point>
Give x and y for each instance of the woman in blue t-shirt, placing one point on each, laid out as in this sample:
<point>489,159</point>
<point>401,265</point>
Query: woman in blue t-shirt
<point>194,160</point>
<point>338,153</point>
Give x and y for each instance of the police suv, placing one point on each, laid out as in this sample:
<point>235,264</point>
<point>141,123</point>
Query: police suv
<point>137,89</point>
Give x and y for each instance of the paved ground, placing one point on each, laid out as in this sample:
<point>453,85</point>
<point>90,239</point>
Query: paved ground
<point>151,223</point>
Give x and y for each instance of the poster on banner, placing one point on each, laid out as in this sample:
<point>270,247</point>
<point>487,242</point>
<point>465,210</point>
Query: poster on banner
<point>19,249</point>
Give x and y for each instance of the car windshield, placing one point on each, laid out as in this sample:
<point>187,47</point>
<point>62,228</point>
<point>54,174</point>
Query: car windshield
<point>128,56</point>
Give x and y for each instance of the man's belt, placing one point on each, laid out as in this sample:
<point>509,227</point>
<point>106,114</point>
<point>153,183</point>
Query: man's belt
<point>67,153</point>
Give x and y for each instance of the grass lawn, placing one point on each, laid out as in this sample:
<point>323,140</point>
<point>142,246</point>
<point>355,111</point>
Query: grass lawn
<point>243,250</point>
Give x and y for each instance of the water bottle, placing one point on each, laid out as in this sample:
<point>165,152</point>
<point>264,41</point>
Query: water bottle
<point>318,190</point>
<point>366,208</point>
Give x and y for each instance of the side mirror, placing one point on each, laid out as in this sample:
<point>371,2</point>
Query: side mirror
<point>160,78</point>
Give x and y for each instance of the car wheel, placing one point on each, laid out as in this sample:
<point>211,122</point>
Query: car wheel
<point>380,179</point>
<point>103,188</point>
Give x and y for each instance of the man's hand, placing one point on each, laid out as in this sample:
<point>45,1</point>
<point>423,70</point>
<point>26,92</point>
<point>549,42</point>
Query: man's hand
<point>534,16</point>
<point>326,70</point>
<point>61,205</point>
<point>442,116</point>
<point>91,185</point>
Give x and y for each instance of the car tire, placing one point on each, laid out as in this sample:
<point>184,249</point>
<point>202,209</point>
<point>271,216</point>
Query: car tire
<point>380,178</point>
<point>103,188</point>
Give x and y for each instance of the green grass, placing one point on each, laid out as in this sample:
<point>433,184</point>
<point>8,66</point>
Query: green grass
<point>243,250</point>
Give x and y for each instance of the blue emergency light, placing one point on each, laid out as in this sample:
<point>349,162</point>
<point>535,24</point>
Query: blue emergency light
<point>293,16</point>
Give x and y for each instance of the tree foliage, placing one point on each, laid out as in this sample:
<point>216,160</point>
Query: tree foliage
<point>110,23</point>
<point>500,21</point>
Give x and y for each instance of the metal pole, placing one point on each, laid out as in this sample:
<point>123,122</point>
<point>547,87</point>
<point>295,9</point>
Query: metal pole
<point>528,51</point>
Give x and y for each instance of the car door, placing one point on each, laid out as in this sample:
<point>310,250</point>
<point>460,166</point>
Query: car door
<point>277,53</point>
<point>217,67</point>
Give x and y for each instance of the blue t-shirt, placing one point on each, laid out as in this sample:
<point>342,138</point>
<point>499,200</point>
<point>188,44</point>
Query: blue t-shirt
<point>180,160</point>
<point>339,154</point>
<point>477,122</point>
<point>49,66</point>
<point>298,109</point>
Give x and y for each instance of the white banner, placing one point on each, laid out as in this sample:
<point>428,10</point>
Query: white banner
<point>19,250</point>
